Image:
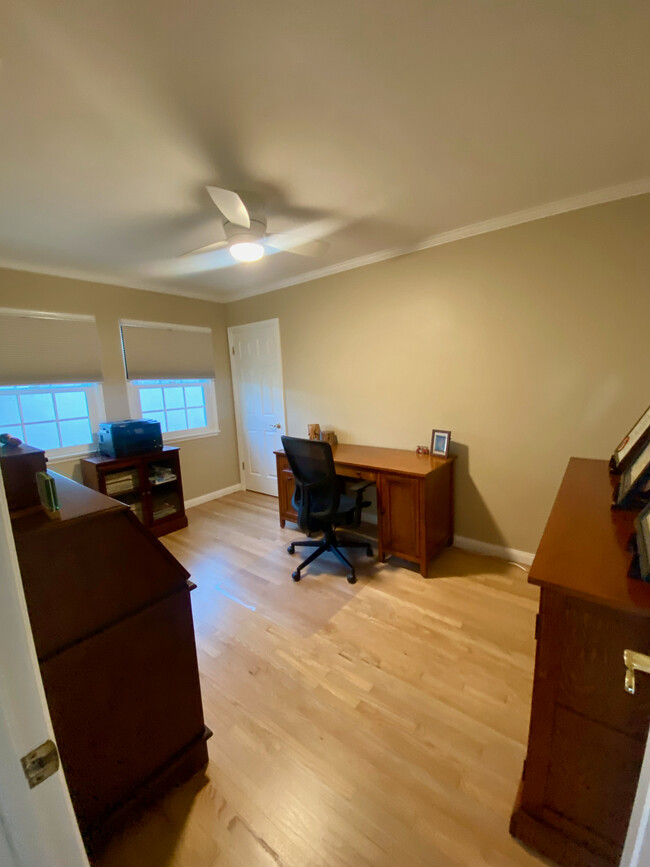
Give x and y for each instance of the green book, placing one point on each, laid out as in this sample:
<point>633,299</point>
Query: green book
<point>47,492</point>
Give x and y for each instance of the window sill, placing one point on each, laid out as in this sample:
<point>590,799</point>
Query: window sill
<point>176,437</point>
<point>60,459</point>
<point>181,436</point>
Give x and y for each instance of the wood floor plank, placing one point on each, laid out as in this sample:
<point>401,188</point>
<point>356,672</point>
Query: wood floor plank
<point>380,724</point>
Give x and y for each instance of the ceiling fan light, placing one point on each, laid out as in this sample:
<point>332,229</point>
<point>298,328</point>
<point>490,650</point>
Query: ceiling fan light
<point>246,251</point>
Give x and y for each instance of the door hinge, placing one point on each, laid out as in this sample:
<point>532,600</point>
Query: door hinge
<point>41,763</point>
<point>233,350</point>
<point>243,466</point>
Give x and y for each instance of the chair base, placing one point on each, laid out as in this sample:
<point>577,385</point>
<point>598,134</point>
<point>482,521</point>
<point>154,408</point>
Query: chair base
<point>329,542</point>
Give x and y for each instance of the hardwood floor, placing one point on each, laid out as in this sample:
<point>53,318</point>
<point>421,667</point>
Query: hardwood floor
<point>377,724</point>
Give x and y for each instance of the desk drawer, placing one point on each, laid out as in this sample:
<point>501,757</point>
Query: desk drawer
<point>354,473</point>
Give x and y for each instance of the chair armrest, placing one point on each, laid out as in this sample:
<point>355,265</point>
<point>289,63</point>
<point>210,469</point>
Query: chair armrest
<point>359,487</point>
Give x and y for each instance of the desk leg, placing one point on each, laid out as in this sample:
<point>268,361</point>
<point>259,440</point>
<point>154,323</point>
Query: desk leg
<point>380,522</point>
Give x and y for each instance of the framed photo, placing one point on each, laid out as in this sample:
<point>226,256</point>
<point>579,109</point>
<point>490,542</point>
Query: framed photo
<point>632,489</point>
<point>440,440</point>
<point>642,525</point>
<point>631,444</point>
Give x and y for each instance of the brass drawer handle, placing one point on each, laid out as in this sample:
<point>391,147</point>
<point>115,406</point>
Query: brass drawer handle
<point>634,662</point>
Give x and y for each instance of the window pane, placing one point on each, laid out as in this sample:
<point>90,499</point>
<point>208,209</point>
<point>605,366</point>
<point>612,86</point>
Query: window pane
<point>194,396</point>
<point>9,413</point>
<point>37,407</point>
<point>174,399</point>
<point>151,399</point>
<point>71,404</point>
<point>176,418</point>
<point>42,436</point>
<point>15,431</point>
<point>196,417</point>
<point>75,433</point>
<point>157,416</point>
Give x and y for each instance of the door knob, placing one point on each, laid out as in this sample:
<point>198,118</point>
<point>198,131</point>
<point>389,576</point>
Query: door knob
<point>276,425</point>
<point>634,662</point>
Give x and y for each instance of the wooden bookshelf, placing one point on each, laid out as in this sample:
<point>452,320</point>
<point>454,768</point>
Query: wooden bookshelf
<point>149,484</point>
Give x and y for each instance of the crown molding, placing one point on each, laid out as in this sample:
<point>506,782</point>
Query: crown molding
<point>539,212</point>
<point>528,215</point>
<point>94,277</point>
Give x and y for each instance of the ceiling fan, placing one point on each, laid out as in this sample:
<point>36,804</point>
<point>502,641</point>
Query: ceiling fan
<point>244,225</point>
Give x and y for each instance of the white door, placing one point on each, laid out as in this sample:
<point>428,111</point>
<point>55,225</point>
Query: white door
<point>37,826</point>
<point>259,401</point>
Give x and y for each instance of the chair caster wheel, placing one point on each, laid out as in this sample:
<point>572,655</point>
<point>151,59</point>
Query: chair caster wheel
<point>352,578</point>
<point>295,575</point>
<point>369,551</point>
<point>291,549</point>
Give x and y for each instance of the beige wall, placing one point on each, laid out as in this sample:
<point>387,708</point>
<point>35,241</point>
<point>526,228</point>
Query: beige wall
<point>530,344</point>
<point>207,463</point>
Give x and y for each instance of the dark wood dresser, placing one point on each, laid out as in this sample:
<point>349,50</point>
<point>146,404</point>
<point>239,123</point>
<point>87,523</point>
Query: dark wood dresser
<point>587,735</point>
<point>110,612</point>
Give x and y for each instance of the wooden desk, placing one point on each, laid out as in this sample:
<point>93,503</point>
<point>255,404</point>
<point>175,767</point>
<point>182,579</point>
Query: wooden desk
<point>415,498</point>
<point>587,735</point>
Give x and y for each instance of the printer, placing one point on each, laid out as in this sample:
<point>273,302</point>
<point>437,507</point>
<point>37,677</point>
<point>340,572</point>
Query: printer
<point>132,436</point>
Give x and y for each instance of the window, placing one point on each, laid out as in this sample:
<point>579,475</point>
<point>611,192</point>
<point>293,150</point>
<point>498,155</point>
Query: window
<point>180,405</point>
<point>57,418</point>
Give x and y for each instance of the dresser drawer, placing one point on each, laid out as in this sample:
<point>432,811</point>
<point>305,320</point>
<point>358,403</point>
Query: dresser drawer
<point>354,473</point>
<point>591,670</point>
<point>123,703</point>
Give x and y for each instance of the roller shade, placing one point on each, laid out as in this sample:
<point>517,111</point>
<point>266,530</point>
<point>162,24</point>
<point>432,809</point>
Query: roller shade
<point>37,348</point>
<point>167,352</point>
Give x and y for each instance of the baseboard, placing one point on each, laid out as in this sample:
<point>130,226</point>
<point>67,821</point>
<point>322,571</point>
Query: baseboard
<point>213,495</point>
<point>477,547</point>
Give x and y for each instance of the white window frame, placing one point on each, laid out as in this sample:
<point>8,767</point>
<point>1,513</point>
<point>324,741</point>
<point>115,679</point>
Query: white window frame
<point>212,427</point>
<point>96,413</point>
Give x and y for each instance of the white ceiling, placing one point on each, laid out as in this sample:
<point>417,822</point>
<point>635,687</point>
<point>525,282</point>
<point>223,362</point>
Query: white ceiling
<point>375,124</point>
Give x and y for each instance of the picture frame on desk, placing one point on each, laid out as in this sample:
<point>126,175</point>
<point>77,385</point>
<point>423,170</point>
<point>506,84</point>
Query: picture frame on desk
<point>440,440</point>
<point>633,488</point>
<point>640,566</point>
<point>631,444</point>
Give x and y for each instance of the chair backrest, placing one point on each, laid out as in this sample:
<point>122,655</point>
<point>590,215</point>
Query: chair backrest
<point>312,464</point>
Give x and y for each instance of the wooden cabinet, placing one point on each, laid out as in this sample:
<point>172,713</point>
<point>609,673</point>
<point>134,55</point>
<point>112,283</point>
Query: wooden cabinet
<point>110,612</point>
<point>398,505</point>
<point>150,485</point>
<point>415,497</point>
<point>587,735</point>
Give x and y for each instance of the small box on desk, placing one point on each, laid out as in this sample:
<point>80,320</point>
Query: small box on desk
<point>19,468</point>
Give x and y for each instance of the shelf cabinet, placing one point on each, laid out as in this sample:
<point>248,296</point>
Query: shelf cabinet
<point>150,485</point>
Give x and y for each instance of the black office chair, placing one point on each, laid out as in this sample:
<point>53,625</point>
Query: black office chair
<point>319,502</point>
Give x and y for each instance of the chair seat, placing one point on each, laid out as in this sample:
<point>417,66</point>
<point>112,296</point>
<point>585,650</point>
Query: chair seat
<point>344,514</point>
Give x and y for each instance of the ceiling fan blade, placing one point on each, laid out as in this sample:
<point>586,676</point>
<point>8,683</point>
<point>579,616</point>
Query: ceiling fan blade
<point>231,206</point>
<point>294,244</point>
<point>207,249</point>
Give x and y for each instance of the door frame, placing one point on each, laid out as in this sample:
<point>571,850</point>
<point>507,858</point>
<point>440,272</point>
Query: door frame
<point>636,852</point>
<point>239,426</point>
<point>37,826</point>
